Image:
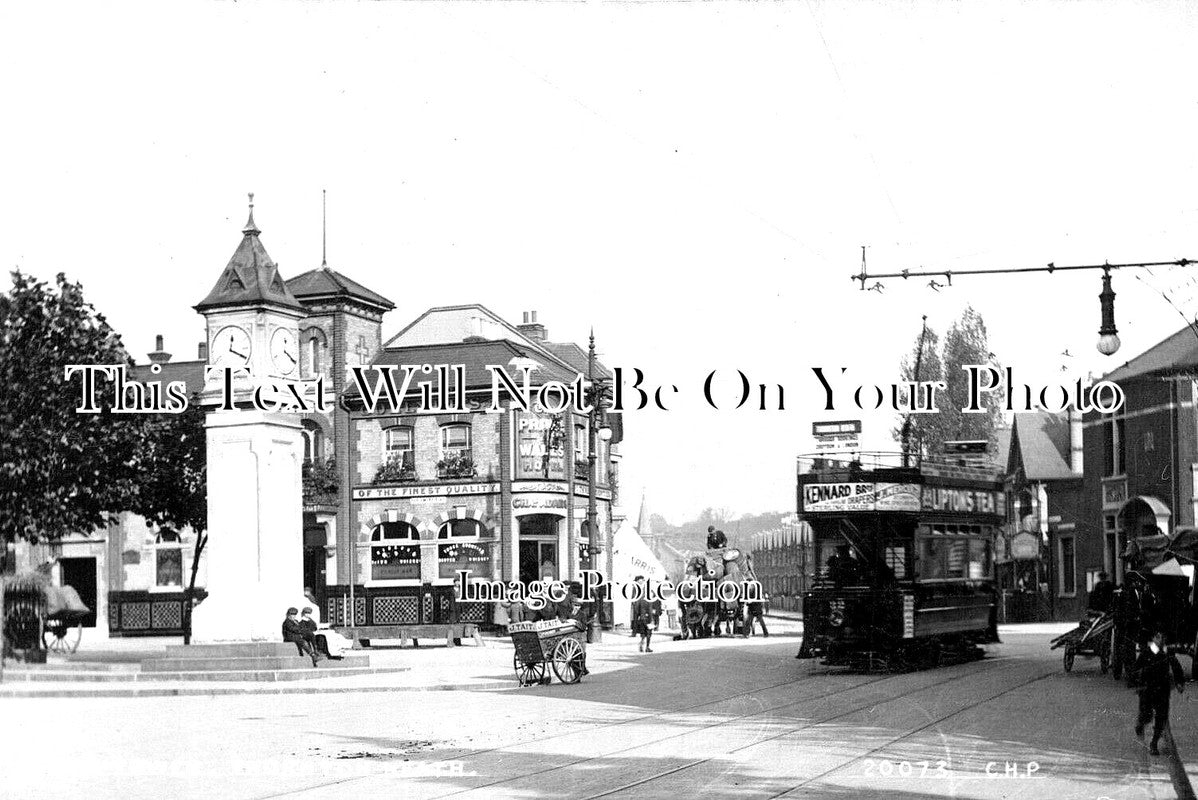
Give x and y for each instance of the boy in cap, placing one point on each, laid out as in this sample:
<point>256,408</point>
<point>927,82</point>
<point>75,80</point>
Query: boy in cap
<point>1159,671</point>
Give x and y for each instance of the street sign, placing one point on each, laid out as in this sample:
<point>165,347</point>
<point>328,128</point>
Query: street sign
<point>842,434</point>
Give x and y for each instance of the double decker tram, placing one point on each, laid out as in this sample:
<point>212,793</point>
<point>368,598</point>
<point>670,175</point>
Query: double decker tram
<point>904,559</point>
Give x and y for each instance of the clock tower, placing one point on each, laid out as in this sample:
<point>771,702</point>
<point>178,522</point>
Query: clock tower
<point>255,502</point>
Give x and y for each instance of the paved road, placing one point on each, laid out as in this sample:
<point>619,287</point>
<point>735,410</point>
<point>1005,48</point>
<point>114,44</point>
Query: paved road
<point>690,720</point>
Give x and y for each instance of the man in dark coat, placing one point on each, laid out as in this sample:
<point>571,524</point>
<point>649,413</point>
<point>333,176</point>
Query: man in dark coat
<point>308,626</point>
<point>716,540</point>
<point>1102,596</point>
<point>1159,672</point>
<point>293,632</point>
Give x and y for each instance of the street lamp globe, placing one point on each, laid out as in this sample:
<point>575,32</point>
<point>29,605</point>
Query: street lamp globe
<point>1108,343</point>
<point>605,433</point>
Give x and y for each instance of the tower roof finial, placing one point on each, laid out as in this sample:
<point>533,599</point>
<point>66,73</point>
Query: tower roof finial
<point>324,231</point>
<point>250,228</point>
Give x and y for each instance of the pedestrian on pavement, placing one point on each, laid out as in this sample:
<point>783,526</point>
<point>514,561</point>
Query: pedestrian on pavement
<point>292,632</point>
<point>642,620</point>
<point>756,614</point>
<point>1102,596</point>
<point>1159,671</point>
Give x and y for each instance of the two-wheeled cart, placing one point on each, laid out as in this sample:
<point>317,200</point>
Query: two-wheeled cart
<point>556,643</point>
<point>1090,638</point>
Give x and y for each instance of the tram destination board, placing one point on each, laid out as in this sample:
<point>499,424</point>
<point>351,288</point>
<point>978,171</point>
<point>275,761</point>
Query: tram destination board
<point>842,434</point>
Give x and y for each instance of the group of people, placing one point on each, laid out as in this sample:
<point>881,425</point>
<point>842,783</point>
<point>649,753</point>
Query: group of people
<point>302,631</point>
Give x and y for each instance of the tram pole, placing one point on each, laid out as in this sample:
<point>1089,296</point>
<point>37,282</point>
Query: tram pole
<point>923,335</point>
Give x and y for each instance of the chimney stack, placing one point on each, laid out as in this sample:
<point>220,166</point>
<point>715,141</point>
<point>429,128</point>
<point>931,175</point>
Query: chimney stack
<point>532,329</point>
<point>159,356</point>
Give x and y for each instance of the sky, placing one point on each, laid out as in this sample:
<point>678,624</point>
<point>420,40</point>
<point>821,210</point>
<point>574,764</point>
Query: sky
<point>694,180</point>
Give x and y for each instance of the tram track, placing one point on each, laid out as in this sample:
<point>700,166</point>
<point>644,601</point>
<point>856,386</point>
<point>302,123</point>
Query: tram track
<point>700,762</point>
<point>604,726</point>
<point>721,723</point>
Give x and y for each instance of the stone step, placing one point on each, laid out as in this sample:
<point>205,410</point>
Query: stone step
<point>264,675</point>
<point>291,661</point>
<point>232,650</point>
<point>78,666</point>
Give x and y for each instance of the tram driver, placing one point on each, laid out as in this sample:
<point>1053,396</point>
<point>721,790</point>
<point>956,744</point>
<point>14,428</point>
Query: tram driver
<point>843,568</point>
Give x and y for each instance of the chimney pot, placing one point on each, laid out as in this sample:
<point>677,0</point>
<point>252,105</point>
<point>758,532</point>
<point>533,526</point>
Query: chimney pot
<point>158,342</point>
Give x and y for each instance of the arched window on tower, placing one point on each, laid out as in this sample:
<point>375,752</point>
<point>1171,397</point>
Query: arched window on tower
<point>313,442</point>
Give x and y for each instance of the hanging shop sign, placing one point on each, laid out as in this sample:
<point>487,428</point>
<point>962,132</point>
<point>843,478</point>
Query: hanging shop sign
<point>1025,546</point>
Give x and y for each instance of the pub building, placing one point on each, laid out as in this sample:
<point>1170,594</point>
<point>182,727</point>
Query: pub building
<point>503,494</point>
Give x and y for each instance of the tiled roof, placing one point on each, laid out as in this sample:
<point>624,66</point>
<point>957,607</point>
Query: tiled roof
<point>190,372</point>
<point>474,356</point>
<point>1043,442</point>
<point>576,357</point>
<point>325,282</point>
<point>250,278</point>
<point>1178,353</point>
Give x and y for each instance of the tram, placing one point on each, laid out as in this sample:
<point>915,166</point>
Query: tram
<point>904,557</point>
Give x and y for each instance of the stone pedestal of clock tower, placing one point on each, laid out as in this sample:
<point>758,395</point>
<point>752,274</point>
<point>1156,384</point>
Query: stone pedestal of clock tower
<point>255,493</point>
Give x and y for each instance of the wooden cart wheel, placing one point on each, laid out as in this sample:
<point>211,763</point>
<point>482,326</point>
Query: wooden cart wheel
<point>528,674</point>
<point>1068,659</point>
<point>568,659</point>
<point>61,637</point>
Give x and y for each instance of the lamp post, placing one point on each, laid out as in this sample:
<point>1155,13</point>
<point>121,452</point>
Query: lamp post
<point>594,543</point>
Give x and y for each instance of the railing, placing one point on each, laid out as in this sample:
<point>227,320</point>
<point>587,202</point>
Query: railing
<point>844,466</point>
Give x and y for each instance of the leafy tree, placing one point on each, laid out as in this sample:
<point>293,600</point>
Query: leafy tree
<point>965,343</point>
<point>171,462</point>
<point>60,471</point>
<point>923,429</point>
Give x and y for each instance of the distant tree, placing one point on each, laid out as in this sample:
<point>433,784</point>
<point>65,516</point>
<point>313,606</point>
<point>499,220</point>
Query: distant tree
<point>966,343</point>
<point>60,471</point>
<point>923,428</point>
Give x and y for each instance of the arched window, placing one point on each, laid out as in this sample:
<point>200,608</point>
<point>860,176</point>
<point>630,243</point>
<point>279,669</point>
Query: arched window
<point>313,441</point>
<point>394,552</point>
<point>313,355</point>
<point>458,549</point>
<point>168,559</point>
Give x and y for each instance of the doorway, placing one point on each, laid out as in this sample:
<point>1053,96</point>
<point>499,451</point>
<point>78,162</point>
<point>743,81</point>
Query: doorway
<point>80,575</point>
<point>538,547</point>
<point>315,560</point>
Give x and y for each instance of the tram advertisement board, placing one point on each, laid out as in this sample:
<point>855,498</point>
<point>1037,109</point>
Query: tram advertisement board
<point>839,497</point>
<point>966,501</point>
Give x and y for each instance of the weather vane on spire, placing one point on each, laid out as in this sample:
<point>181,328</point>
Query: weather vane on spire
<point>250,227</point>
<point>324,230</point>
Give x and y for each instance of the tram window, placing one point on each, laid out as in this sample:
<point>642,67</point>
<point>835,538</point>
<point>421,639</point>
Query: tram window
<point>957,559</point>
<point>896,560</point>
<point>979,559</point>
<point>932,558</point>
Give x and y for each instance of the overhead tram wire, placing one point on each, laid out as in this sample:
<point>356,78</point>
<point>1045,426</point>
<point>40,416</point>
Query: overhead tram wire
<point>948,274</point>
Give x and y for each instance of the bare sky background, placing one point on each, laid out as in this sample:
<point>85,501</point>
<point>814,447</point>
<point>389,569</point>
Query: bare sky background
<point>694,180</point>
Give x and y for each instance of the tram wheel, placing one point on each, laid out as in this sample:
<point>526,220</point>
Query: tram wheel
<point>1104,663</point>
<point>1068,659</point>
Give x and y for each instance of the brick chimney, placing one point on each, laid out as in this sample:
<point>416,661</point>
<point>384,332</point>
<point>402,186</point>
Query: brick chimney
<point>533,329</point>
<point>159,356</point>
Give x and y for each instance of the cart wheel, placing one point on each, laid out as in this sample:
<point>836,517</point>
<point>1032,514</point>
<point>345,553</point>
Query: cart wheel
<point>568,659</point>
<point>528,674</point>
<point>1068,659</point>
<point>58,637</point>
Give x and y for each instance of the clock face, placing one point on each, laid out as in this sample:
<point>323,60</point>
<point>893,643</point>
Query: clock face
<point>231,347</point>
<point>283,352</point>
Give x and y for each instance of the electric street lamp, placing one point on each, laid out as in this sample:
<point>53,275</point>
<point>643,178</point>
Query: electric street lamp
<point>596,428</point>
<point>1108,335</point>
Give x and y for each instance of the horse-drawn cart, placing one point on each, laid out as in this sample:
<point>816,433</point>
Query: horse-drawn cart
<point>1090,638</point>
<point>549,642</point>
<point>38,614</point>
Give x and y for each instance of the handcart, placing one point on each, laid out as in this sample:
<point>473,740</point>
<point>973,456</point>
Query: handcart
<point>1090,638</point>
<point>555,642</point>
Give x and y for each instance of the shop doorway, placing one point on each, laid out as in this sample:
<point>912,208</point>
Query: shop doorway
<point>80,575</point>
<point>315,560</point>
<point>538,547</point>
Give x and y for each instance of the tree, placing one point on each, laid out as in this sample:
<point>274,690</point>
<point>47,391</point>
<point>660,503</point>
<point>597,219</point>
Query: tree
<point>923,428</point>
<point>966,343</point>
<point>60,471</point>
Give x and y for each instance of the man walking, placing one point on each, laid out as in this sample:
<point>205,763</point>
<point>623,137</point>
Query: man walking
<point>1159,671</point>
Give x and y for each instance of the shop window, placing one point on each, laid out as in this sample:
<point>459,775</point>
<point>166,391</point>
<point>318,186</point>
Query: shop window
<point>394,552</point>
<point>168,559</point>
<point>1068,567</point>
<point>458,549</point>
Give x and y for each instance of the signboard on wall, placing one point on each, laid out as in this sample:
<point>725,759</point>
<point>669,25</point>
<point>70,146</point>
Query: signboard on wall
<point>1025,546</point>
<point>821,498</point>
<point>541,446</point>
